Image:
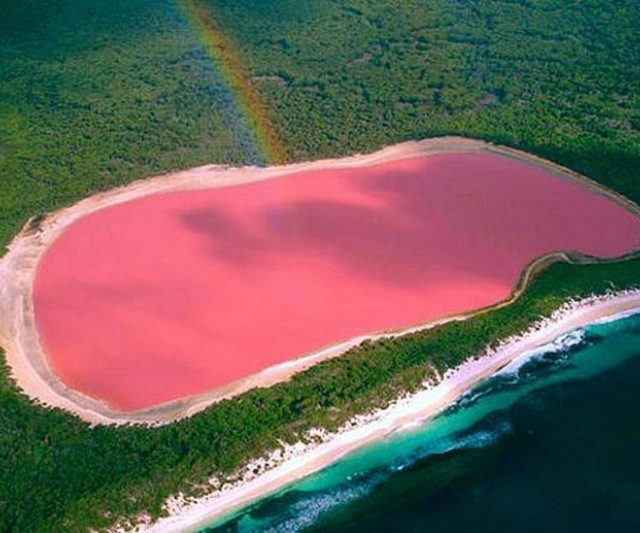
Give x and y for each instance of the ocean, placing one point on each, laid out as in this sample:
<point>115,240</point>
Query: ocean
<point>550,443</point>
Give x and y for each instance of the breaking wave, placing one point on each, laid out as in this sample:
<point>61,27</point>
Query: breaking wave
<point>296,510</point>
<point>547,359</point>
<point>562,346</point>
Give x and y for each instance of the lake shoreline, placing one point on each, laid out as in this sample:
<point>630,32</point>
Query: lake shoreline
<point>20,338</point>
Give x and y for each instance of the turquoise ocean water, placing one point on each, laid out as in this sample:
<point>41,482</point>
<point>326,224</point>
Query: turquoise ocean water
<point>551,443</point>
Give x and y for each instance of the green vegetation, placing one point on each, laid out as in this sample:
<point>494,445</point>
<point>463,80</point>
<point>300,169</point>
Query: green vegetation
<point>555,78</point>
<point>59,474</point>
<point>96,94</point>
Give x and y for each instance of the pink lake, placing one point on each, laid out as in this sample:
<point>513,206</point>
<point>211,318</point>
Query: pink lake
<point>176,294</point>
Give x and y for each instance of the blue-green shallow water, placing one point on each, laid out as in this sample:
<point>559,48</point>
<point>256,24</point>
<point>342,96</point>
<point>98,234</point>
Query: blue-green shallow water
<point>553,445</point>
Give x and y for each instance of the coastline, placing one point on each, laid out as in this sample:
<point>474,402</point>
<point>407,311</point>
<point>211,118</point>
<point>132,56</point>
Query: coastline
<point>295,462</point>
<point>18,332</point>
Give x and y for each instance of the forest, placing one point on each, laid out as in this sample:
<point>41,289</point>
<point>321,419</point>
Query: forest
<point>94,95</point>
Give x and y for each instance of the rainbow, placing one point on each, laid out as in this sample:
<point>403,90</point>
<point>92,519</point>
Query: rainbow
<point>224,54</point>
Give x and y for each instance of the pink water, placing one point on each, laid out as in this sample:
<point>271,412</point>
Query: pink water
<point>176,294</point>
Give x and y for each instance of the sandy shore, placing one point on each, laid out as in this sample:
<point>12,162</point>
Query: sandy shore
<point>282,468</point>
<point>19,336</point>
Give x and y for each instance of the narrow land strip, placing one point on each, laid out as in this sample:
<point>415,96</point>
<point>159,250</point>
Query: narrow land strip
<point>299,461</point>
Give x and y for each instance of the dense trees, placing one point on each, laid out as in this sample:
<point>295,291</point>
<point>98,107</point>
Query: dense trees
<point>96,94</point>
<point>556,78</point>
